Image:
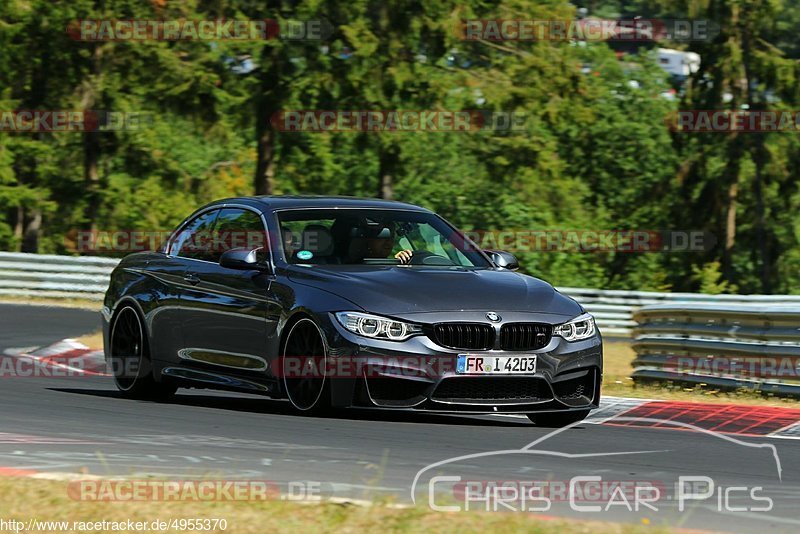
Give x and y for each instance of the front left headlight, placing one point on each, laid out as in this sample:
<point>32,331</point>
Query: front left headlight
<point>375,326</point>
<point>581,327</point>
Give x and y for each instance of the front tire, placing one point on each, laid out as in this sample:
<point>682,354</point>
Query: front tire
<point>130,359</point>
<point>304,368</point>
<point>557,419</point>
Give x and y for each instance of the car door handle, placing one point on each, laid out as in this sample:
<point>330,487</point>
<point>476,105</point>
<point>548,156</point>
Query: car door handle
<point>191,279</point>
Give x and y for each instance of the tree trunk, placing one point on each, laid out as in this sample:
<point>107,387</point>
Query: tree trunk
<point>386,191</point>
<point>268,102</point>
<point>27,219</point>
<point>730,230</point>
<point>387,166</point>
<point>91,147</point>
<point>759,157</point>
<point>30,239</point>
<point>19,219</point>
<point>761,222</point>
<point>264,181</point>
<point>91,176</point>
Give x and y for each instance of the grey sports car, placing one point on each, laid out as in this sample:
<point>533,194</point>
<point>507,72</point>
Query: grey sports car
<point>335,302</point>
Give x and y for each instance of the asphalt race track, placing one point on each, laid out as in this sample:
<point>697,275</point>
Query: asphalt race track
<point>69,424</point>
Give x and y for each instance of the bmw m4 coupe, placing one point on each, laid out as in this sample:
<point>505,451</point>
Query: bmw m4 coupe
<point>333,302</point>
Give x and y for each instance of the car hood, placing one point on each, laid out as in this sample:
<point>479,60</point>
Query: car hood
<point>393,290</point>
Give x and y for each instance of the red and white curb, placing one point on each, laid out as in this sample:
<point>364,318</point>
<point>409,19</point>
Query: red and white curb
<point>735,419</point>
<point>68,355</point>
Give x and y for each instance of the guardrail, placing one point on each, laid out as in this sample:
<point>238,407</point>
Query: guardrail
<point>43,275</point>
<point>720,345</point>
<point>614,309</point>
<point>86,277</point>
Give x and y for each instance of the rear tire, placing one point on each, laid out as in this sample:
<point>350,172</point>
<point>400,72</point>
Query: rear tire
<point>130,359</point>
<point>304,369</point>
<point>557,419</point>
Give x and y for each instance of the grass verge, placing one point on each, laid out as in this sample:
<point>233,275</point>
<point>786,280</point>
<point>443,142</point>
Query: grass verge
<point>617,382</point>
<point>93,340</point>
<point>45,500</point>
<point>56,303</point>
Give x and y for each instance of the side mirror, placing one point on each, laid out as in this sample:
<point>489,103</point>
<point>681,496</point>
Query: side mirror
<point>243,259</point>
<point>503,259</point>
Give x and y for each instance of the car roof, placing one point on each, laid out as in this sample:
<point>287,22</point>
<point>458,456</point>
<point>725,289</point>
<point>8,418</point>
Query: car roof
<point>276,202</point>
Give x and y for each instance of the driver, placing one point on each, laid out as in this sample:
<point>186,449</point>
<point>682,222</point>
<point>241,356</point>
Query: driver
<point>382,244</point>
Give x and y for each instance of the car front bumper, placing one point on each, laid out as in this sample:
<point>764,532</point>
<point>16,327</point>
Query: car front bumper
<point>418,374</point>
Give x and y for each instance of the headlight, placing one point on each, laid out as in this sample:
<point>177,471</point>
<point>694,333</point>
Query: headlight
<point>581,327</point>
<point>374,326</point>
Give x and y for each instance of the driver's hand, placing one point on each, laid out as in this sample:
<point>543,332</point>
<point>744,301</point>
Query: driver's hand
<point>404,256</point>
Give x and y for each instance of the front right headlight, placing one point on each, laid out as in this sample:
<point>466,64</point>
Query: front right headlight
<point>368,325</point>
<point>581,327</point>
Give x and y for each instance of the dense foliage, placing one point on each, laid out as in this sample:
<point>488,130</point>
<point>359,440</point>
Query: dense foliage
<point>597,151</point>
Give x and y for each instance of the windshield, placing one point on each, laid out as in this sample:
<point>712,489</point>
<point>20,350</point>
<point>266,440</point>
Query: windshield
<point>373,237</point>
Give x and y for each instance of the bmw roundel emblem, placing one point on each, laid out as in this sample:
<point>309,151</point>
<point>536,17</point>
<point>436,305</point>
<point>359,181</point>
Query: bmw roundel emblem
<point>492,316</point>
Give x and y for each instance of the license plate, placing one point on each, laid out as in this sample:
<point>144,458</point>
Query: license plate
<point>472,364</point>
